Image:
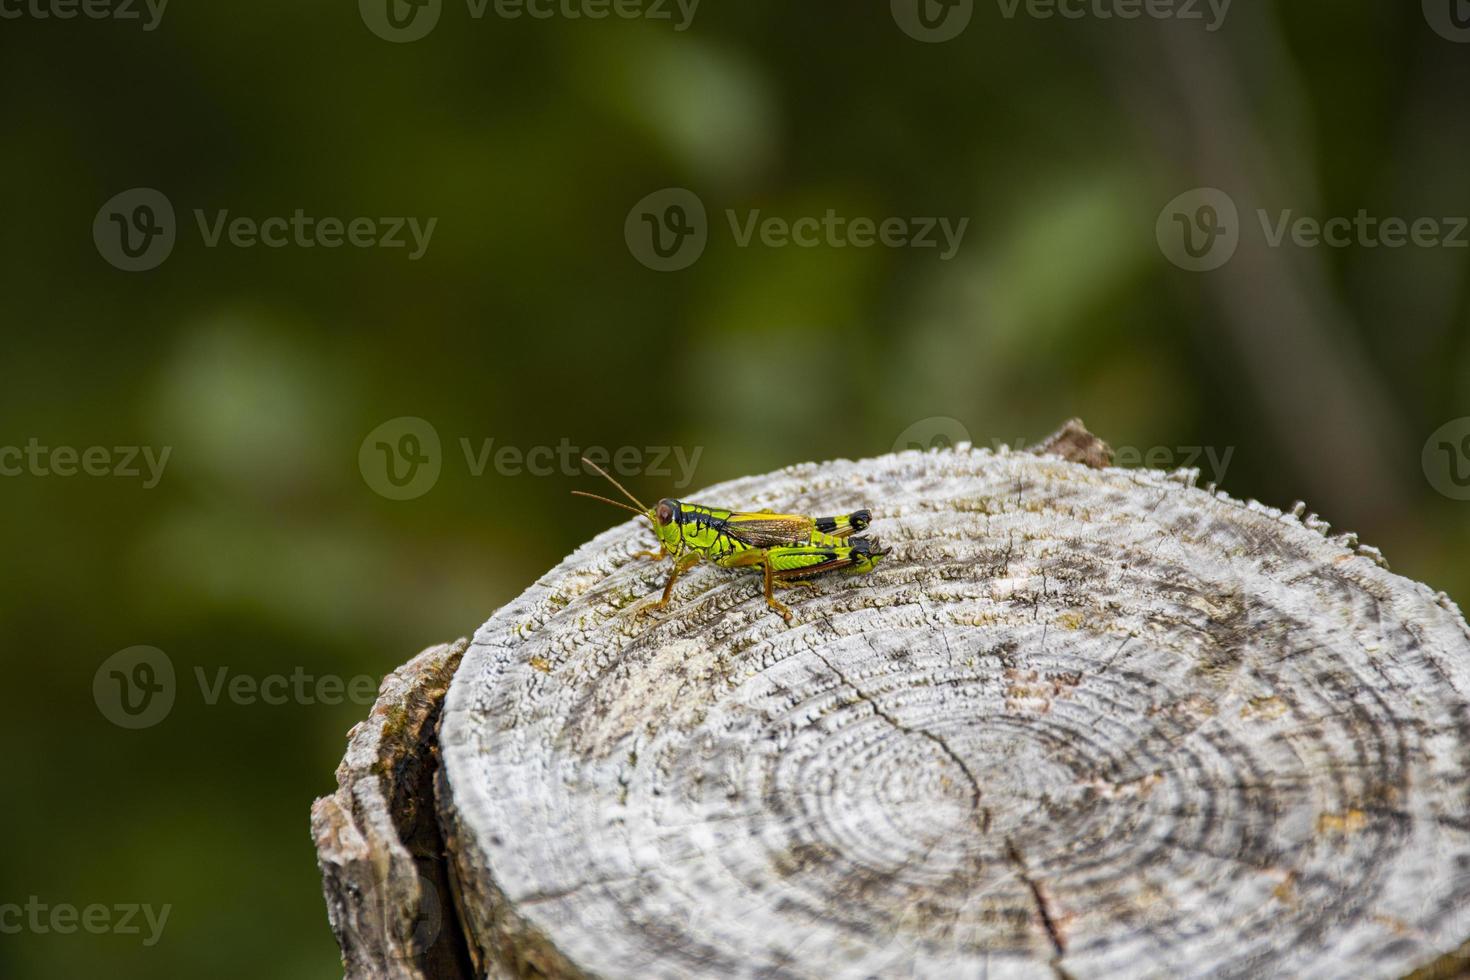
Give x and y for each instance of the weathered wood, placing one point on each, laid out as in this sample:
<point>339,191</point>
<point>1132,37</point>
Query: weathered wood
<point>1083,722</point>
<point>1087,720</point>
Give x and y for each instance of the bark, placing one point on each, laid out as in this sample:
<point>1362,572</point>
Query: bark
<point>378,843</point>
<point>1083,722</point>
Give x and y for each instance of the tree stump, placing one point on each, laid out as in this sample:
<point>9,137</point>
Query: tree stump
<point>1083,722</point>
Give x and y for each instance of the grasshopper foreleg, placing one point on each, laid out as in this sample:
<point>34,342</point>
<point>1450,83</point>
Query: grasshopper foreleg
<point>680,567</point>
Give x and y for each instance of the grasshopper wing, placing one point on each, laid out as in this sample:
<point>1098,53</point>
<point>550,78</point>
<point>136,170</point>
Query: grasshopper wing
<point>770,530</point>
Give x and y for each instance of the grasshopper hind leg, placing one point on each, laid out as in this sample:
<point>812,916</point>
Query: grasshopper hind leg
<point>798,564</point>
<point>771,600</point>
<point>769,574</point>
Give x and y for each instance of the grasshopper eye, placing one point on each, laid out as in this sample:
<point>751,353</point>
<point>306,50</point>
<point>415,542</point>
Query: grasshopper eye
<point>665,512</point>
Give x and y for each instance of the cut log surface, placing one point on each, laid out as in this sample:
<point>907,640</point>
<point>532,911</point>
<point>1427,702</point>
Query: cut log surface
<point>1083,722</point>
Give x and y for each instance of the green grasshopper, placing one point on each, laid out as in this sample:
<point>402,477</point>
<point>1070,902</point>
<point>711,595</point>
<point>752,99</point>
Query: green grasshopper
<point>789,548</point>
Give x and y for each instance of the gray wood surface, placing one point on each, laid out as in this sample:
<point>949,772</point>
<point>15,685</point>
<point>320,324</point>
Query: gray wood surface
<point>1083,722</point>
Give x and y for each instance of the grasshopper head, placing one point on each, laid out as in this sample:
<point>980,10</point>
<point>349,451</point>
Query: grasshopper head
<point>665,518</point>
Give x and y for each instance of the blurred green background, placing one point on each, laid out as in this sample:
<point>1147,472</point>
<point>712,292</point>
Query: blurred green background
<point>529,320</point>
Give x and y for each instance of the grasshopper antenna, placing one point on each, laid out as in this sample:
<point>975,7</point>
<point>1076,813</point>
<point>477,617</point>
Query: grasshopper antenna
<point>642,507</point>
<point>640,510</point>
<point>593,496</point>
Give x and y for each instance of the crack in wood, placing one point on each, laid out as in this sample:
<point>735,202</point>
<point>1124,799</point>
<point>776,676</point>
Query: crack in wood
<point>1043,906</point>
<point>981,812</point>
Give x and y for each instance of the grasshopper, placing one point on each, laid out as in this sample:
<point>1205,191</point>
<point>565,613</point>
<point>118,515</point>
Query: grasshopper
<point>789,548</point>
